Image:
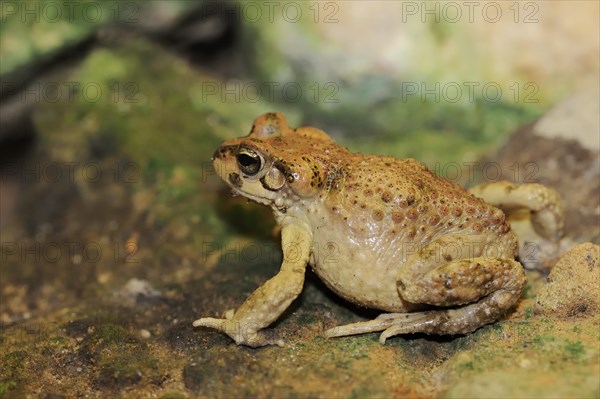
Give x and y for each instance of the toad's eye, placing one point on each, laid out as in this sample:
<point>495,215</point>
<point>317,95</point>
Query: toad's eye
<point>249,161</point>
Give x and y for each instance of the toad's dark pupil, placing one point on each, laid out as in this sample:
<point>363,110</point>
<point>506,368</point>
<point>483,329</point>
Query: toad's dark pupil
<point>249,164</point>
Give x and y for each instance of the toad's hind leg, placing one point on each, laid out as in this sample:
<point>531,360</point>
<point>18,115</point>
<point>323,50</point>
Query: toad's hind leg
<point>489,287</point>
<point>485,288</point>
<point>476,288</point>
<point>461,320</point>
<point>505,284</point>
<point>547,212</point>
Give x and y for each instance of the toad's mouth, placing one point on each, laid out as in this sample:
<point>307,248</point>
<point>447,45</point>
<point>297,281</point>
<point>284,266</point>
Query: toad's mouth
<point>236,190</point>
<point>261,200</point>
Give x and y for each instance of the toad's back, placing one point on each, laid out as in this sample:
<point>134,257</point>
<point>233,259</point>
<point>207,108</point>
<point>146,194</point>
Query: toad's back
<point>384,196</point>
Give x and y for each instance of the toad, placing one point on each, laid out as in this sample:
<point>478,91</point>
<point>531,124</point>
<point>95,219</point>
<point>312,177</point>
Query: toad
<point>380,232</point>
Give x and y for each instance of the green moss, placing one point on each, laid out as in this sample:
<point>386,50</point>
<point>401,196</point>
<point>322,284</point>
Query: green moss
<point>57,341</point>
<point>528,292</point>
<point>305,318</point>
<point>529,312</point>
<point>574,350</point>
<point>172,395</point>
<point>330,356</point>
<point>6,386</point>
<point>140,99</point>
<point>468,366</point>
<point>51,346</point>
<point>541,340</point>
<point>356,343</point>
<point>12,370</point>
<point>40,29</point>
<point>125,367</point>
<point>561,349</point>
<point>112,334</point>
<point>122,359</point>
<point>166,128</point>
<point>545,320</point>
<point>363,392</point>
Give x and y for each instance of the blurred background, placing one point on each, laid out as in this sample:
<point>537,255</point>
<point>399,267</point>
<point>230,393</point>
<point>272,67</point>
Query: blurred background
<point>113,221</point>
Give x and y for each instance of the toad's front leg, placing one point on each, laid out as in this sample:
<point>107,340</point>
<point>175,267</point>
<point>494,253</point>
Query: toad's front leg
<point>271,299</point>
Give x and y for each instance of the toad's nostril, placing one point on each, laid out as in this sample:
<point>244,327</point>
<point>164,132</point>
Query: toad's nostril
<point>217,154</point>
<point>235,180</point>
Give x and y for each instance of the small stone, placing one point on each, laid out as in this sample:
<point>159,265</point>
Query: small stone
<point>572,287</point>
<point>145,334</point>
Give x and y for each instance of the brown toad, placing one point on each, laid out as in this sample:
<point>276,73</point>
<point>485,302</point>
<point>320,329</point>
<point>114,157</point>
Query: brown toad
<point>380,232</point>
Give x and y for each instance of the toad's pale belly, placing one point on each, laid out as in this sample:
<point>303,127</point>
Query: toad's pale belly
<point>361,270</point>
<point>350,275</point>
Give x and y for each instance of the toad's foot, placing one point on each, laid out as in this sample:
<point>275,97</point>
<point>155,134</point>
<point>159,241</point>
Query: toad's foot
<point>441,322</point>
<point>381,323</point>
<point>240,333</point>
<point>395,324</point>
<point>545,204</point>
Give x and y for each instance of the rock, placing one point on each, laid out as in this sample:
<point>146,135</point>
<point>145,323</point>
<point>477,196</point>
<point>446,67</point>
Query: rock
<point>136,289</point>
<point>522,384</point>
<point>559,151</point>
<point>499,51</point>
<point>575,118</point>
<point>572,288</point>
